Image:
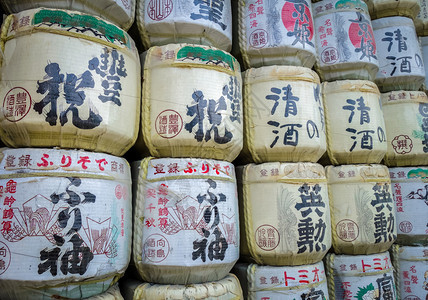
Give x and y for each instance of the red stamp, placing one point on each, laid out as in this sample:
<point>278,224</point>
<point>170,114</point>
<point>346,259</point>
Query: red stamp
<point>5,257</point>
<point>118,191</point>
<point>267,237</point>
<point>329,55</point>
<point>159,9</point>
<point>405,226</point>
<point>16,104</point>
<point>156,248</point>
<point>347,230</point>
<point>169,124</point>
<point>402,144</point>
<point>258,38</point>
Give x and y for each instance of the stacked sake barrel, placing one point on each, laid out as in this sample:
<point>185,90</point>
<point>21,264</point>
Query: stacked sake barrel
<point>69,80</point>
<point>284,206</point>
<point>186,228</point>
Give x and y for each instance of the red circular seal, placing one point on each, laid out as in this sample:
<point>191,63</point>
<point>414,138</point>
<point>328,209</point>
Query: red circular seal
<point>329,55</point>
<point>155,248</point>
<point>168,124</point>
<point>258,38</point>
<point>298,17</point>
<point>158,10</point>
<point>118,191</point>
<point>402,144</point>
<point>16,104</point>
<point>405,227</point>
<point>267,237</point>
<point>5,257</point>
<point>347,230</point>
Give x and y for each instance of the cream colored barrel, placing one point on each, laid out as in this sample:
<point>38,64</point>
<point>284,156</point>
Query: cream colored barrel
<point>199,114</point>
<point>120,12</point>
<point>227,288</point>
<point>284,115</point>
<point>354,121</point>
<point>186,227</point>
<point>406,116</point>
<point>163,22</point>
<point>79,86</point>
<point>410,191</point>
<point>284,211</point>
<point>421,21</point>
<point>391,8</point>
<point>345,41</point>
<point>362,209</point>
<point>400,58</point>
<point>276,33</point>
<point>360,276</point>
<point>410,265</point>
<point>278,283</point>
<point>65,222</point>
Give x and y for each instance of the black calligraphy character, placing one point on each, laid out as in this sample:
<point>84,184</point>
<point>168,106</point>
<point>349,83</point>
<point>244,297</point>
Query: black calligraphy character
<point>382,196</point>
<point>200,246</point>
<point>313,295</point>
<point>320,106</point>
<point>306,235</point>
<point>233,93</point>
<point>50,257</point>
<point>76,261</point>
<point>362,107</point>
<point>288,97</point>
<point>291,136</point>
<point>313,131</point>
<point>197,110</point>
<point>301,24</point>
<point>405,65</point>
<point>366,139</point>
<point>310,198</point>
<point>217,248</point>
<point>402,45</point>
<point>367,42</point>
<point>386,288</point>
<point>381,134</point>
<point>320,228</point>
<point>211,10</point>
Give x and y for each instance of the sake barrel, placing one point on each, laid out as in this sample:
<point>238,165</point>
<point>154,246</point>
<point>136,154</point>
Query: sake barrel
<point>284,115</point>
<point>276,33</point>
<point>65,222</point>
<point>399,54</point>
<point>78,88</point>
<point>360,276</point>
<point>162,22</point>
<point>284,213</point>
<point>277,283</point>
<point>424,49</point>
<point>355,123</point>
<point>120,12</point>
<point>387,8</point>
<point>410,191</point>
<point>362,208</point>
<point>345,41</point>
<point>199,114</point>
<point>421,21</point>
<point>227,288</point>
<point>410,265</point>
<point>186,227</point>
<point>406,116</point>
<point>112,293</point>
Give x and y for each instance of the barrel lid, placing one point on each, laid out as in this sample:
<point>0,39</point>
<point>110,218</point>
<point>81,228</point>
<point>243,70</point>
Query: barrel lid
<point>357,265</point>
<point>413,253</point>
<point>282,172</point>
<point>285,73</point>
<point>395,97</point>
<point>31,162</point>
<point>340,86</point>
<point>357,173</point>
<point>189,55</point>
<point>69,23</point>
<point>392,21</point>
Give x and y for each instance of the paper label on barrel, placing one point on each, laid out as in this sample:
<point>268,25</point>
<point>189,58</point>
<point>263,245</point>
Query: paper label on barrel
<point>189,220</point>
<point>413,273</point>
<point>399,52</point>
<point>213,14</point>
<point>271,24</point>
<point>423,13</point>
<point>411,200</point>
<point>344,36</point>
<point>57,228</point>
<point>276,283</point>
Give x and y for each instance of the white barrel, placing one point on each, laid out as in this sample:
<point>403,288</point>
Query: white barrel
<point>200,113</point>
<point>284,213</point>
<point>65,222</point>
<point>362,209</point>
<point>424,48</point>
<point>360,276</point>
<point>400,58</point>
<point>279,283</point>
<point>227,288</point>
<point>162,22</point>
<point>355,123</point>
<point>345,41</point>
<point>410,265</point>
<point>276,33</point>
<point>406,117</point>
<point>79,87</point>
<point>120,12</point>
<point>186,227</point>
<point>410,191</point>
<point>284,115</point>
<point>391,8</point>
<point>421,21</point>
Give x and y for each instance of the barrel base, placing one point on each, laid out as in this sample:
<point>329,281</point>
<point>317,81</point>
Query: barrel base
<point>407,83</point>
